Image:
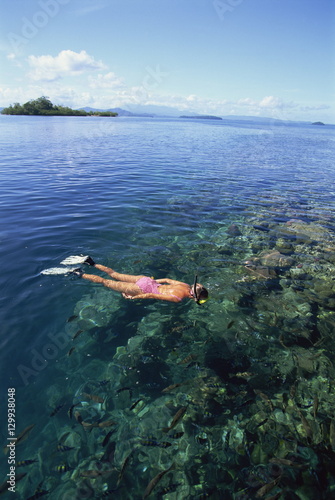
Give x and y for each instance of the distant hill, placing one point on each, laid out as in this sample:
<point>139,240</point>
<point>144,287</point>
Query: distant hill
<point>119,111</point>
<point>203,117</point>
<point>151,111</point>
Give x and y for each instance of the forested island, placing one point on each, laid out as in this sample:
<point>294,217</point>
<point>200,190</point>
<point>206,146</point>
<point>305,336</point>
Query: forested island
<point>44,107</point>
<point>203,117</point>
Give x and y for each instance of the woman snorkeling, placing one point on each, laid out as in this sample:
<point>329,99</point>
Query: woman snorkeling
<point>135,287</point>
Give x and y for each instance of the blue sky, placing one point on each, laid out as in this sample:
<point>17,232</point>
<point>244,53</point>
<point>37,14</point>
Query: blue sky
<point>273,58</point>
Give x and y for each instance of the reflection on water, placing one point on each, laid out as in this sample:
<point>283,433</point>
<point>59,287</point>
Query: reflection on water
<point>233,399</point>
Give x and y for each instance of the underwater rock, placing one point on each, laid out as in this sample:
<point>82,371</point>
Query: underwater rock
<point>261,227</point>
<point>304,232</point>
<point>233,230</point>
<point>259,272</point>
<point>275,259</point>
<point>225,249</point>
<point>326,323</point>
<point>98,309</point>
<point>152,324</point>
<point>325,291</point>
<point>284,246</point>
<point>262,266</point>
<point>330,257</point>
<point>257,246</point>
<point>236,435</point>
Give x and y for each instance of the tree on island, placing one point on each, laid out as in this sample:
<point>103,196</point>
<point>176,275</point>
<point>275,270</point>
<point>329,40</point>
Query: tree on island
<point>44,107</point>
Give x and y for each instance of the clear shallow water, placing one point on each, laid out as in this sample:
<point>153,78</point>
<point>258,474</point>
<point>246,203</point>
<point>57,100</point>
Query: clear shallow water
<point>172,198</point>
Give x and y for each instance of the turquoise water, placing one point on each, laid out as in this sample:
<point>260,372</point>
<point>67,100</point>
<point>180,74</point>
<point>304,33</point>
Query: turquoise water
<point>174,198</point>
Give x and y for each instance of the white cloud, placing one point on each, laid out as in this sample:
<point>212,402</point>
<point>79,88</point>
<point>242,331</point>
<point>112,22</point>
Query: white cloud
<point>271,102</point>
<point>109,91</point>
<point>66,63</point>
<point>315,108</point>
<point>246,101</point>
<point>14,61</point>
<point>107,81</point>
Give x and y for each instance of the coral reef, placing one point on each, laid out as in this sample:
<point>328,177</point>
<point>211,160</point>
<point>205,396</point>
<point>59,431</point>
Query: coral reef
<point>231,400</point>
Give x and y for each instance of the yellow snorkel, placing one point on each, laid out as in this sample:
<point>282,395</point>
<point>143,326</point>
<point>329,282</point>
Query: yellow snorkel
<point>202,301</point>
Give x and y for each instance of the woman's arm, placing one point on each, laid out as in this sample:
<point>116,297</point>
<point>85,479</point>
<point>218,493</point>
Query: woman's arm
<point>168,280</point>
<point>157,296</point>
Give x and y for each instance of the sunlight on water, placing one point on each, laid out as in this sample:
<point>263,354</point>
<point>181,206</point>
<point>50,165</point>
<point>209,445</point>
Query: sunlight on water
<point>241,386</point>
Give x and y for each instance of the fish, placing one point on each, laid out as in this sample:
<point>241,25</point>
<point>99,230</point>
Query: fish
<point>38,493</point>
<point>91,425</point>
<point>20,438</point>
<point>107,423</point>
<point>171,387</point>
<point>265,398</point>
<point>107,438</point>
<point>286,462</point>
<point>57,409</point>
<point>267,487</point>
<point>76,335</point>
<point>125,389</point>
<point>95,473</point>
<point>245,375</point>
<point>207,414</point>
<point>262,422</point>
<point>230,324</point>
<point>281,340</point>
<point>178,416</point>
<point>63,447</point>
<point>315,406</point>
<point>307,428</point>
<point>71,351</point>
<point>188,358</point>
<point>123,468</point>
<point>71,318</point>
<point>332,434</point>
<point>78,417</point>
<point>153,483</point>
<point>62,468</point>
<point>135,404</point>
<point>153,442</point>
<point>93,397</point>
<point>103,382</point>
<point>23,463</point>
<point>293,390</point>
<point>176,435</point>
<point>70,410</point>
<point>214,385</point>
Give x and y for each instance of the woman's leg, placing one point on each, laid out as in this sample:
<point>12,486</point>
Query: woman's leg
<point>128,288</point>
<point>118,276</point>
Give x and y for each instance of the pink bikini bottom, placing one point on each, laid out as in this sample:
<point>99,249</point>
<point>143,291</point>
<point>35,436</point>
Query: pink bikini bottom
<point>148,285</point>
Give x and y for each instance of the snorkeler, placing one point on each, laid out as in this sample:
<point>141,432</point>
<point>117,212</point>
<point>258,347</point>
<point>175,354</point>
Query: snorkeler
<point>135,287</point>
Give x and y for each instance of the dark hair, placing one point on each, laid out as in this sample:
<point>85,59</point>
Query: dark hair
<point>202,292</point>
